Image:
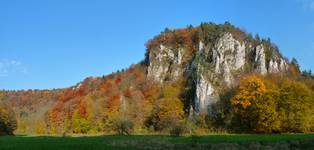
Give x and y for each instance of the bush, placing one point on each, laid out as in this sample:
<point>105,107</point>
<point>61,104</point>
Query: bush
<point>177,129</point>
<point>123,126</point>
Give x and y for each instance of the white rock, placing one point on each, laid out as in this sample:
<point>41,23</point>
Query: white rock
<point>227,75</point>
<point>201,46</point>
<point>204,91</point>
<point>273,67</point>
<point>240,56</point>
<point>283,65</point>
<point>260,60</point>
<point>179,58</point>
<point>229,54</point>
<point>165,61</point>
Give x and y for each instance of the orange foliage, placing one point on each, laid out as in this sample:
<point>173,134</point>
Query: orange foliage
<point>127,93</point>
<point>250,88</point>
<point>54,117</point>
<point>138,74</point>
<point>149,91</point>
<point>183,37</point>
<point>180,36</point>
<point>113,101</point>
<point>82,109</point>
<point>106,85</point>
<point>119,79</point>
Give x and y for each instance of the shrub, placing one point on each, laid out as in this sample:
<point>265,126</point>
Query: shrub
<point>122,126</point>
<point>177,129</point>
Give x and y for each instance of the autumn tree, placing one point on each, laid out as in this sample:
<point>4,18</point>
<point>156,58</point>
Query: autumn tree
<point>168,109</point>
<point>256,105</point>
<point>7,119</point>
<point>295,106</point>
<point>82,119</point>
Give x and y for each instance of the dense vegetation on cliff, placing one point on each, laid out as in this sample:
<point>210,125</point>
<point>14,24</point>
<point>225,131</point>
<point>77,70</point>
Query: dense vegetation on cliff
<point>187,83</point>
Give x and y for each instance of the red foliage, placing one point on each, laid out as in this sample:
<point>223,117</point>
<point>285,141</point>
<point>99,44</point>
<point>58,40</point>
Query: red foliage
<point>127,93</point>
<point>180,36</point>
<point>106,85</point>
<point>118,79</point>
<point>138,74</point>
<point>149,90</point>
<point>113,101</point>
<point>68,94</point>
<point>54,117</point>
<point>82,109</point>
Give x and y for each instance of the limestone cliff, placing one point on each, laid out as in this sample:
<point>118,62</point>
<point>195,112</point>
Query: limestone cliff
<point>212,65</point>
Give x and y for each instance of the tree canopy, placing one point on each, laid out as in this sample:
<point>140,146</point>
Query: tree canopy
<point>7,119</point>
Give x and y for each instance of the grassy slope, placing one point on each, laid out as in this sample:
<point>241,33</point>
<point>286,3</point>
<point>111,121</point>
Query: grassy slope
<point>133,142</point>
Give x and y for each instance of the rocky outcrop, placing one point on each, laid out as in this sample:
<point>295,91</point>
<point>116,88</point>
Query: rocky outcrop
<point>230,52</point>
<point>204,95</point>
<point>229,55</point>
<point>276,66</point>
<point>213,66</point>
<point>164,63</point>
<point>260,60</point>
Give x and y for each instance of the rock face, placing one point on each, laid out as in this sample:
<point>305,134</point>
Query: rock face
<point>212,67</point>
<point>204,95</point>
<point>163,63</point>
<point>230,52</point>
<point>276,66</point>
<point>260,60</point>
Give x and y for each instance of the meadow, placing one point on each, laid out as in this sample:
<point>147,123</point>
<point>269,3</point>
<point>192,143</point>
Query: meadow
<point>236,141</point>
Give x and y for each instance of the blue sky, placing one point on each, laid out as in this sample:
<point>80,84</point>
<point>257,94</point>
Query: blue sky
<point>48,44</point>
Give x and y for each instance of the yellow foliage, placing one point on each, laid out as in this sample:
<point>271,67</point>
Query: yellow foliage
<point>250,88</point>
<point>171,109</point>
<point>40,128</point>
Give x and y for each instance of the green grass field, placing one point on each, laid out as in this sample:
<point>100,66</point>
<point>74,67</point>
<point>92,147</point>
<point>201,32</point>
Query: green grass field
<point>287,141</point>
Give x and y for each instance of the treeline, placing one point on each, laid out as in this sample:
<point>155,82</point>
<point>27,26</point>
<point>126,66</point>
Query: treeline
<point>127,102</point>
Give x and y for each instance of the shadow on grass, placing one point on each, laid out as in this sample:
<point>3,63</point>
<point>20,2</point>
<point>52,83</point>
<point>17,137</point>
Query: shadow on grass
<point>232,141</point>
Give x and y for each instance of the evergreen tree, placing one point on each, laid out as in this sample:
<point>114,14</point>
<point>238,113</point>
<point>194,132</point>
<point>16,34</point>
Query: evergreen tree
<point>295,63</point>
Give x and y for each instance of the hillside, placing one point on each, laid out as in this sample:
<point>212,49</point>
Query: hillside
<point>191,76</point>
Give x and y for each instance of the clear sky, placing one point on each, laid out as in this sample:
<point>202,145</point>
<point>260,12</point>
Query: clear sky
<point>57,43</point>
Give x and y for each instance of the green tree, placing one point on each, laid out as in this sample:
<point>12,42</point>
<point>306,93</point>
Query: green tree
<point>257,38</point>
